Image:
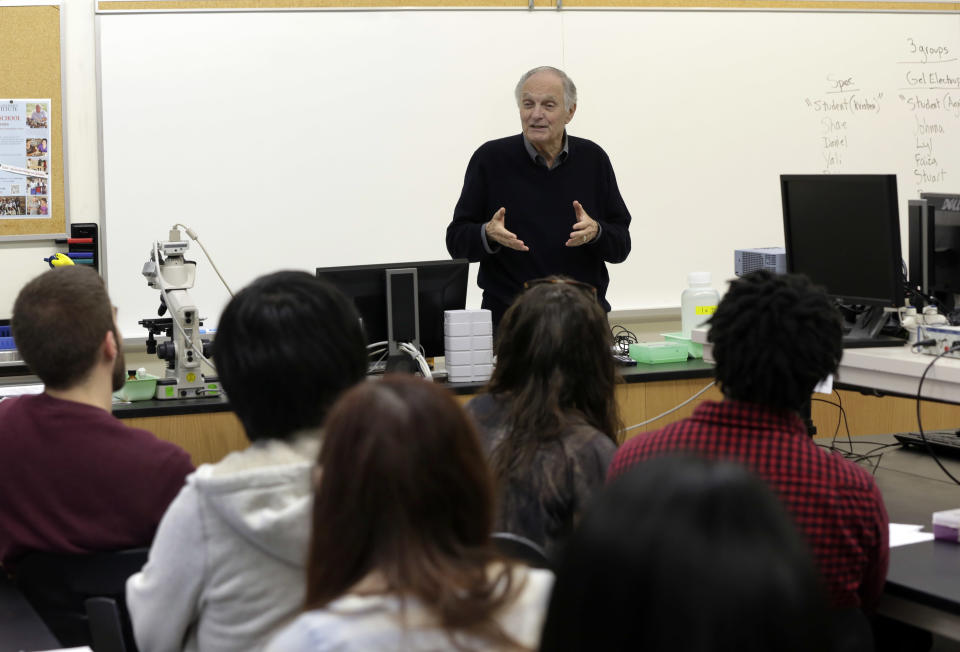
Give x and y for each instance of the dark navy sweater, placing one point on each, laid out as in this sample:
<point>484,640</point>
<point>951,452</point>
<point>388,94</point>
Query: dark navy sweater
<point>539,210</point>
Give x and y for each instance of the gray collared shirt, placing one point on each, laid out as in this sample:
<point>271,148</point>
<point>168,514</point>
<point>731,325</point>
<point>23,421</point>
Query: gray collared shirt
<point>538,158</point>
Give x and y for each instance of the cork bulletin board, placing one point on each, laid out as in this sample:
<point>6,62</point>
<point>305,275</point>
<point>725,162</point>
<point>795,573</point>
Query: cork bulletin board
<point>30,51</point>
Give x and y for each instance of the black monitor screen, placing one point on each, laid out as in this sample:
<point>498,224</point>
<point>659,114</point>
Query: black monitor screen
<point>943,266</point>
<point>442,285</point>
<point>843,232</point>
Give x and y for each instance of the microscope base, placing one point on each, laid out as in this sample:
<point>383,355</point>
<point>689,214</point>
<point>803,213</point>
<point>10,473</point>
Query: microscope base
<point>169,389</point>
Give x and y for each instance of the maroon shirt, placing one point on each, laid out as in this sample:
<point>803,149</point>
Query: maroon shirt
<point>74,479</point>
<point>834,502</point>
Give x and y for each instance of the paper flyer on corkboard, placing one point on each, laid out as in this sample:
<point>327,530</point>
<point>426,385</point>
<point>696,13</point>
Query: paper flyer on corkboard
<point>25,180</point>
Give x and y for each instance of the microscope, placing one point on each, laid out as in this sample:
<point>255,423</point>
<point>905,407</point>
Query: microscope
<point>168,271</point>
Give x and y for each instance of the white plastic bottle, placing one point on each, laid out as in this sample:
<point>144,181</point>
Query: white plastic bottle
<point>698,302</point>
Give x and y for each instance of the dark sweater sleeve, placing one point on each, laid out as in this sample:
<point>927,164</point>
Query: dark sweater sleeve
<point>614,241</point>
<point>463,233</point>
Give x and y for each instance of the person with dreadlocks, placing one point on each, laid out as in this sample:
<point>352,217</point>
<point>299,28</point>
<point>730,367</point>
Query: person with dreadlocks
<point>774,338</point>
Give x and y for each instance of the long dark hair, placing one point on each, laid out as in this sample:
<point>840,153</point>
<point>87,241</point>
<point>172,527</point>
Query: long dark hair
<point>404,490</point>
<point>684,554</point>
<point>553,364</point>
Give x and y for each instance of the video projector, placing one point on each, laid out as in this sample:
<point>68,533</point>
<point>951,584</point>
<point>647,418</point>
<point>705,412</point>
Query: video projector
<point>773,259</point>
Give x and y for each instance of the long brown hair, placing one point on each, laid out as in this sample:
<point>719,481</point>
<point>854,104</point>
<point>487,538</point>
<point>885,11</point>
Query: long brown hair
<point>404,490</point>
<point>553,364</point>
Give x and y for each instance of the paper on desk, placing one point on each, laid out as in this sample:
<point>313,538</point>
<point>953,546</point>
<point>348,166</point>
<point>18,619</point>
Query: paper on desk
<point>85,648</point>
<point>902,534</point>
<point>825,386</point>
<point>19,390</point>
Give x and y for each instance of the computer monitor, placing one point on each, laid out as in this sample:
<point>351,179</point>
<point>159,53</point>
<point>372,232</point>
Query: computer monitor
<point>934,247</point>
<point>413,307</point>
<point>843,232</point>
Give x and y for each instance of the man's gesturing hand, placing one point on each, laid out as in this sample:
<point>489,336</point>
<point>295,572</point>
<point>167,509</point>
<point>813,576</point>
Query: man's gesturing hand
<point>497,232</point>
<point>584,230</point>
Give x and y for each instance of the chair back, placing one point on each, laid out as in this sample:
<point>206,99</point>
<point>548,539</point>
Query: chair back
<point>514,546</point>
<point>59,586</point>
<point>20,626</point>
<point>106,625</point>
<point>851,631</point>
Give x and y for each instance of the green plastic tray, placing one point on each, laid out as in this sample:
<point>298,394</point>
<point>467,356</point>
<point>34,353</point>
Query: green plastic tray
<point>658,352</point>
<point>142,389</point>
<point>694,349</point>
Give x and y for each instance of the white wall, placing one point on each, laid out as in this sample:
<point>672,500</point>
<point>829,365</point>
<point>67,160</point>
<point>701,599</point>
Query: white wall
<point>304,139</point>
<point>19,262</point>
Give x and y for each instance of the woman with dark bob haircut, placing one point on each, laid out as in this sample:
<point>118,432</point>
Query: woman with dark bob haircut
<point>684,554</point>
<point>548,418</point>
<point>401,557</point>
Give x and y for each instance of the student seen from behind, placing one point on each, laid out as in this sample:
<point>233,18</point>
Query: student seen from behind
<point>401,557</point>
<point>226,567</point>
<point>684,554</point>
<point>548,417</point>
<point>774,338</point>
<point>75,479</point>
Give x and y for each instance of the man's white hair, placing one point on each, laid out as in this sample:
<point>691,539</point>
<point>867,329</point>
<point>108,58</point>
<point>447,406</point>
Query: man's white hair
<point>569,88</point>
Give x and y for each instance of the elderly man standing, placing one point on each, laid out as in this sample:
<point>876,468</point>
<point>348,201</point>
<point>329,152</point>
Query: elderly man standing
<point>541,202</point>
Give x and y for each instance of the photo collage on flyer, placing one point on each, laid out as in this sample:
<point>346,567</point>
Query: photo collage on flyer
<point>25,159</point>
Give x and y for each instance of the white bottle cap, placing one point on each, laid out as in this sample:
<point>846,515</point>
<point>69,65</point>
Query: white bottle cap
<point>699,278</point>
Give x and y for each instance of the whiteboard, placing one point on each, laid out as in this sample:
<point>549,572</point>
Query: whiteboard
<point>306,139</point>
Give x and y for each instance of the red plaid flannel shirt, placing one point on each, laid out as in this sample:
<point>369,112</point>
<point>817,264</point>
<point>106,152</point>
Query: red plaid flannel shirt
<point>835,504</point>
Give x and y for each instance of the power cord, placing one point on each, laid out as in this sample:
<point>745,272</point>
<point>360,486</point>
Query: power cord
<point>841,419</point>
<point>417,355</point>
<point>851,454</point>
<point>923,437</point>
<point>671,410</point>
<point>846,425</point>
<point>379,349</point>
<point>916,346</point>
<point>193,236</point>
<point>623,338</point>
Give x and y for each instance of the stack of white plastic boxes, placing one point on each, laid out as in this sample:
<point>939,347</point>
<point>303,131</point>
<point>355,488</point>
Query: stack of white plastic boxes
<point>468,344</point>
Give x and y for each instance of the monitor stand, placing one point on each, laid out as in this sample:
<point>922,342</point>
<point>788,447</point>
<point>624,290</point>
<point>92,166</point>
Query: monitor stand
<point>403,318</point>
<point>401,363</point>
<point>865,332</point>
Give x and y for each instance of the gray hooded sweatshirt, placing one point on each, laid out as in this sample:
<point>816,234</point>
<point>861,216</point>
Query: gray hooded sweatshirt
<point>226,568</point>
